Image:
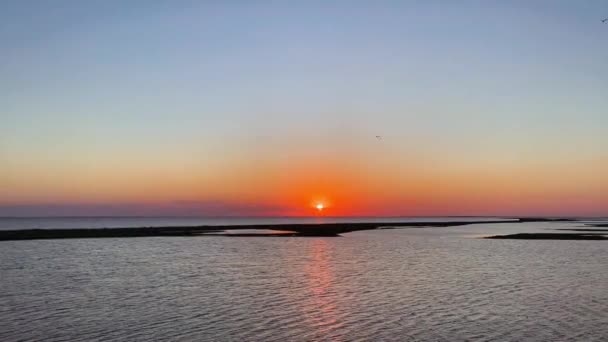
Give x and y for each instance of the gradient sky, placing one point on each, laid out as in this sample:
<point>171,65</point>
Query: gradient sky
<point>268,107</point>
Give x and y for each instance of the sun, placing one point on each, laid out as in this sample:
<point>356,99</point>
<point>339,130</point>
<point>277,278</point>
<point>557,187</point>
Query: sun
<point>320,205</point>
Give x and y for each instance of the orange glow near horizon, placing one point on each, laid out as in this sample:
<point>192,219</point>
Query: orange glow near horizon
<point>344,184</point>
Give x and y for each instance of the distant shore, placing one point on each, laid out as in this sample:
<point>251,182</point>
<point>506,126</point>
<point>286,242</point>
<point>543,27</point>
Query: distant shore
<point>581,234</point>
<point>321,229</point>
<point>551,236</point>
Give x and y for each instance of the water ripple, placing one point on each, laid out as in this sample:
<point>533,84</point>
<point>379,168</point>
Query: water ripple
<point>390,285</point>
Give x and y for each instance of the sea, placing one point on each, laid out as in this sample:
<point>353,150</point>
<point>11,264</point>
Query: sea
<point>410,284</point>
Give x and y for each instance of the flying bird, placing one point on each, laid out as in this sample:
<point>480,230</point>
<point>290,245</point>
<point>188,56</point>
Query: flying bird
<point>604,20</point>
<point>378,137</point>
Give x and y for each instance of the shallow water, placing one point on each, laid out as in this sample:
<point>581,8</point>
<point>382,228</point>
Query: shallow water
<point>438,284</point>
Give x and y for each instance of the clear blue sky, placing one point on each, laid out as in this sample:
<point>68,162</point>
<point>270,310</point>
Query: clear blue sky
<point>103,101</point>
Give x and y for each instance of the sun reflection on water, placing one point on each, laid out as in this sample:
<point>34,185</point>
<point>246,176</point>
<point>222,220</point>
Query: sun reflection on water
<point>320,307</point>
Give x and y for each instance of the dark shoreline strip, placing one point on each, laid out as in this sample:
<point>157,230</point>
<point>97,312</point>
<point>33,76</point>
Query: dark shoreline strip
<point>322,229</point>
<point>599,225</point>
<point>584,230</point>
<point>550,236</point>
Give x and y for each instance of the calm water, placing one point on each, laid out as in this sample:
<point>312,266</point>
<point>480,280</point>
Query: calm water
<point>435,284</point>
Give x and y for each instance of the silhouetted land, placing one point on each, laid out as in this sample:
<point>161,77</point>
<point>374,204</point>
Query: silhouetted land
<point>584,230</point>
<point>597,224</point>
<point>550,236</point>
<point>323,229</point>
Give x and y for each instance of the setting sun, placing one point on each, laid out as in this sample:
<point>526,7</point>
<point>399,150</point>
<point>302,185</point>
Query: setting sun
<point>319,206</point>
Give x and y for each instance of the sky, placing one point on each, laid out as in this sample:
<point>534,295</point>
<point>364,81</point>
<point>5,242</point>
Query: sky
<point>266,108</point>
